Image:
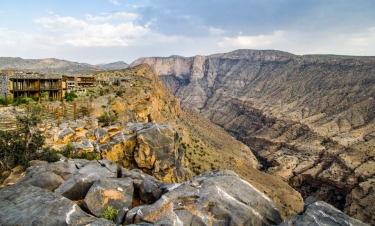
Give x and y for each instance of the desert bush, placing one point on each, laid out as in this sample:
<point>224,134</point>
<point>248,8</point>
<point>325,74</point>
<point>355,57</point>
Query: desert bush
<point>69,151</point>
<point>70,96</point>
<point>107,118</point>
<point>5,101</point>
<point>110,213</point>
<point>18,147</point>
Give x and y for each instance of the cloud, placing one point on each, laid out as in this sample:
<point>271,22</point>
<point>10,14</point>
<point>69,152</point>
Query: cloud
<point>298,42</point>
<point>114,2</point>
<point>215,31</point>
<point>115,29</point>
<point>121,16</point>
<point>258,41</point>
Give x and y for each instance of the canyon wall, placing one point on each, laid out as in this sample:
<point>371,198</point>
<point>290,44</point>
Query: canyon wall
<point>309,119</point>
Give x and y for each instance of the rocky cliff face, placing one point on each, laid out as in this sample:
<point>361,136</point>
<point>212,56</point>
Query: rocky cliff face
<point>310,119</point>
<point>207,146</point>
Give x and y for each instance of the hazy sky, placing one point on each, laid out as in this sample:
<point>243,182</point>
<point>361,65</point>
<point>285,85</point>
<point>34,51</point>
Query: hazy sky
<point>102,31</point>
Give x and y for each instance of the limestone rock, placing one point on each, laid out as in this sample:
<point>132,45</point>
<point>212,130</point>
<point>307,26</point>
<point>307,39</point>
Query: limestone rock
<point>47,180</point>
<point>23,204</point>
<point>16,175</point>
<point>321,213</point>
<point>114,192</point>
<point>76,187</point>
<point>85,146</point>
<point>158,152</point>
<point>78,125</point>
<point>219,197</point>
<point>149,191</point>
<point>101,135</point>
<point>360,202</point>
<point>120,148</point>
<point>65,135</point>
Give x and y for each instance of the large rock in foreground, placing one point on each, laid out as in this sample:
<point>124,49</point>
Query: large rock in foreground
<point>213,198</point>
<point>322,214</point>
<point>23,204</point>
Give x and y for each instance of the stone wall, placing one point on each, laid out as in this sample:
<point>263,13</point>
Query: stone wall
<point>4,84</point>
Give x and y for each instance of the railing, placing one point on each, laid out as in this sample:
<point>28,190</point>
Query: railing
<point>35,88</point>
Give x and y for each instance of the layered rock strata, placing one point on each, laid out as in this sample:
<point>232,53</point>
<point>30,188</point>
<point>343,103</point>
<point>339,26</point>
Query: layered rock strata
<point>310,119</point>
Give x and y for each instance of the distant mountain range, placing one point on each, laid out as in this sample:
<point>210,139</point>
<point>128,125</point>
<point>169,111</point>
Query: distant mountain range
<point>52,65</point>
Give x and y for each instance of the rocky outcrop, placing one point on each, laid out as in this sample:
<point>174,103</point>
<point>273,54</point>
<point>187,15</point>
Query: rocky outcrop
<point>212,198</point>
<point>321,213</point>
<point>114,192</point>
<point>310,119</point>
<point>359,203</point>
<point>23,204</point>
<point>152,147</point>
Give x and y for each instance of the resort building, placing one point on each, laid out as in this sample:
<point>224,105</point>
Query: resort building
<point>30,84</point>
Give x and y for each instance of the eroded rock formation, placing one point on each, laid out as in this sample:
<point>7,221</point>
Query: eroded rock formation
<point>310,119</point>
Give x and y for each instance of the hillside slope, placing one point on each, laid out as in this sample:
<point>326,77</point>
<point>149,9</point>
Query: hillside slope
<point>52,65</point>
<point>207,145</point>
<point>309,118</point>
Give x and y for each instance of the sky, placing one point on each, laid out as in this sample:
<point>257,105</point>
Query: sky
<point>103,31</point>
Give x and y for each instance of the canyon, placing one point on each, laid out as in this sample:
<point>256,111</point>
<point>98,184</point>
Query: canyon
<point>305,122</point>
<point>308,119</point>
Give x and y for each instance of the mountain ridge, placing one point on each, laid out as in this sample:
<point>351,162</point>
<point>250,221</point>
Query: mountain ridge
<point>54,65</point>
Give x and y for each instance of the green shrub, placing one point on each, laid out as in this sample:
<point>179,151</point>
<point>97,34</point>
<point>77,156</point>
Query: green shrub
<point>107,118</point>
<point>109,213</point>
<point>68,150</point>
<point>49,155</point>
<point>25,101</point>
<point>19,147</point>
<point>5,101</point>
<point>70,96</point>
<point>87,155</point>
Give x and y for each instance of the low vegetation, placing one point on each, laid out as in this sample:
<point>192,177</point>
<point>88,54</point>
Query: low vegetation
<point>110,213</point>
<point>24,144</point>
<point>70,96</point>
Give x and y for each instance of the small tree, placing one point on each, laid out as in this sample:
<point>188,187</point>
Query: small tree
<point>20,146</point>
<point>70,96</point>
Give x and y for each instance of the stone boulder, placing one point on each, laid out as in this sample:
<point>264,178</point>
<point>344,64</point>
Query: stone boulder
<point>101,135</point>
<point>114,192</point>
<point>120,148</point>
<point>213,198</point>
<point>76,187</point>
<point>65,135</point>
<point>85,146</point>
<point>157,151</point>
<point>15,175</point>
<point>23,204</point>
<point>78,125</point>
<point>47,180</point>
<point>323,214</point>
